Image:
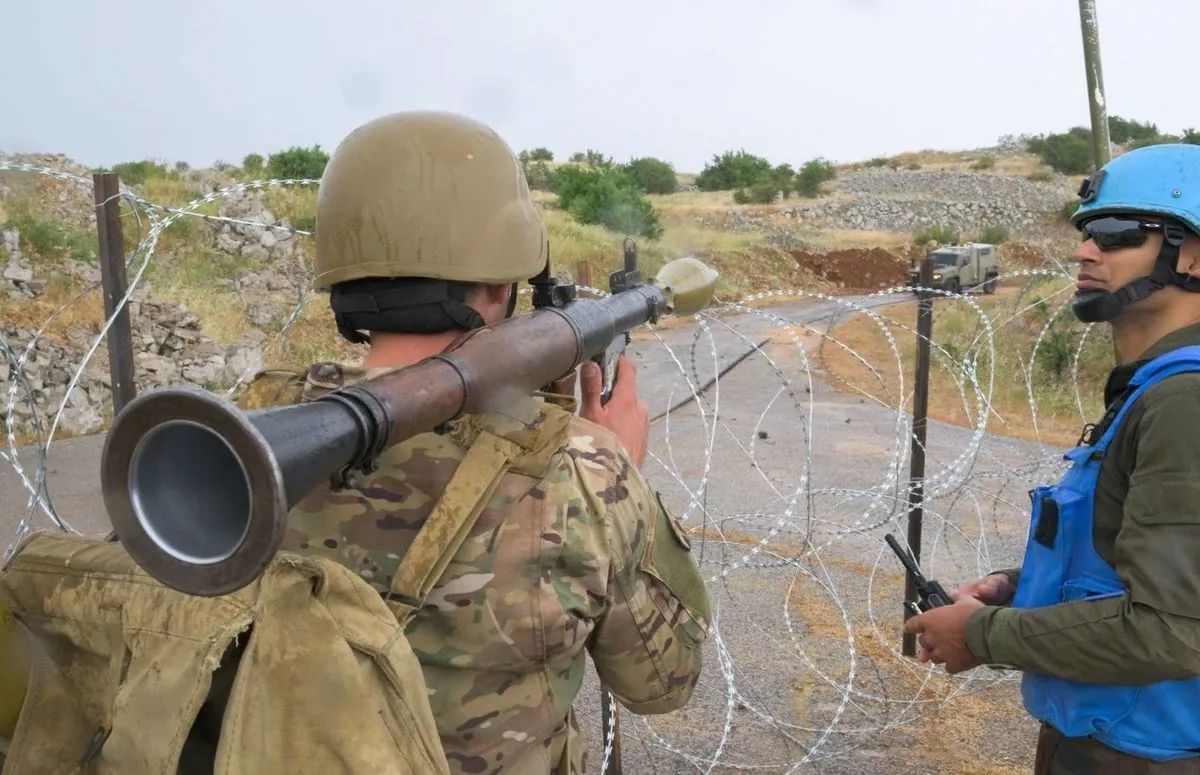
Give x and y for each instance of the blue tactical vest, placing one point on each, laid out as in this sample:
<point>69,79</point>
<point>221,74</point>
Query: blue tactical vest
<point>1160,721</point>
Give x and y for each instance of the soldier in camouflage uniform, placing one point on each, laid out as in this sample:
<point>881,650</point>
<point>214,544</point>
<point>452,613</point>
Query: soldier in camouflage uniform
<point>1103,616</point>
<point>425,224</point>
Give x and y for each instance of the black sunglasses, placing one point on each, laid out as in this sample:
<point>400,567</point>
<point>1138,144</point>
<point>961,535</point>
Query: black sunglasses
<point>1118,232</point>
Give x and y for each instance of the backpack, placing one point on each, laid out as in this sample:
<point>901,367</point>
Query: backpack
<point>306,669</point>
<point>303,670</point>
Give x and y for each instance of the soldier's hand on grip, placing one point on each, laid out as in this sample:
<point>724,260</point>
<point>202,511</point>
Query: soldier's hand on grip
<point>625,414</point>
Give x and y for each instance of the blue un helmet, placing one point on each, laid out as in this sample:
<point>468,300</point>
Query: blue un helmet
<point>1158,180</point>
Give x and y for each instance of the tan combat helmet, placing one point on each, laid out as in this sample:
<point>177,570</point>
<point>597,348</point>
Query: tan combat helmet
<point>426,194</point>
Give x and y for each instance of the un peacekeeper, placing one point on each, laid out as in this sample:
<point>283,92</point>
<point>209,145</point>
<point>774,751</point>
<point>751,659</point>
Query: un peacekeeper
<point>425,224</point>
<point>1103,616</point>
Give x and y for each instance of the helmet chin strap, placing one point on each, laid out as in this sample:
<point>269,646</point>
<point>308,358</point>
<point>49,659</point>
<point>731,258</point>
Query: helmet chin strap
<point>512,301</point>
<point>1094,305</point>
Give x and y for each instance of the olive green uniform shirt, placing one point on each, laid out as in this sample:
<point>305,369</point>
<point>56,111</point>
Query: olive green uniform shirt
<point>1147,526</point>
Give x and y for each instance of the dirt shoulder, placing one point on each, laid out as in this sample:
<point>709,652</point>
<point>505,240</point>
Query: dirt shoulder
<point>875,356</point>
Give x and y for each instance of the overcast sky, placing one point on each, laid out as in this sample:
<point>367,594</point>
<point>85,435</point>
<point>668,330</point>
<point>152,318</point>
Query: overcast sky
<point>105,82</point>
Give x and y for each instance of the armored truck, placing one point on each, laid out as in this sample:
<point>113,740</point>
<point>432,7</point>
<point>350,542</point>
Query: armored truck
<point>958,268</point>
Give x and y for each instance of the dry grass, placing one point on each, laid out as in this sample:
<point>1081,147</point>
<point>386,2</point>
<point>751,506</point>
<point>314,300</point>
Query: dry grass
<point>171,192</point>
<point>1058,419</point>
<point>313,337</point>
<point>221,319</point>
<point>688,202</point>
<point>72,317</point>
<point>1018,164</point>
<point>69,313</point>
<point>293,202</point>
<point>687,239</point>
<point>843,239</point>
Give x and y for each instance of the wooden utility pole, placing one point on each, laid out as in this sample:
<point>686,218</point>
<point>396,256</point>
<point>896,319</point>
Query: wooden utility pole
<point>1101,143</point>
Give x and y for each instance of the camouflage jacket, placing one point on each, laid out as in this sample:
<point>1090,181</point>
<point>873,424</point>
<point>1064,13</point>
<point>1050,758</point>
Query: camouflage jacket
<point>572,554</point>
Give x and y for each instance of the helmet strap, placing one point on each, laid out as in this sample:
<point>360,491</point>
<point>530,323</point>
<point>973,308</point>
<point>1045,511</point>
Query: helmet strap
<point>1101,306</point>
<point>512,301</point>
<point>410,305</point>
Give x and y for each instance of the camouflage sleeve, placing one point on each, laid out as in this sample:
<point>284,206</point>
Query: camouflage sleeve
<point>647,648</point>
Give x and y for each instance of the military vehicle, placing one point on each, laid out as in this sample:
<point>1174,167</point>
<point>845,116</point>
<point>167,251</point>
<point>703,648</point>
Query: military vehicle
<point>958,268</point>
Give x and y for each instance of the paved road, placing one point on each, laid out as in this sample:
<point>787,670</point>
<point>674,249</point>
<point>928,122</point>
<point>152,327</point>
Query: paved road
<point>793,486</point>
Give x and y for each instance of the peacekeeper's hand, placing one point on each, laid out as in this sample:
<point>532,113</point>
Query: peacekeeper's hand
<point>942,635</point>
<point>996,589</point>
<point>625,414</point>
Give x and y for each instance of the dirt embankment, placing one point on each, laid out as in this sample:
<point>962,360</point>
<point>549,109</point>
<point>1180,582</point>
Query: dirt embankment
<point>858,269</point>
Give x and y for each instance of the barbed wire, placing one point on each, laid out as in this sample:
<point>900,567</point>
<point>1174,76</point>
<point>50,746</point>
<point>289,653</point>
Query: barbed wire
<point>784,450</point>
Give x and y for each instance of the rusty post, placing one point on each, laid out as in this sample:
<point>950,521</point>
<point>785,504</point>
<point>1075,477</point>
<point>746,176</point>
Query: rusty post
<point>916,475</point>
<point>583,274</point>
<point>111,255</point>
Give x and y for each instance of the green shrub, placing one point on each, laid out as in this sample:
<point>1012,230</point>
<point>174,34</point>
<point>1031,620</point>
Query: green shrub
<point>994,234</point>
<point>731,171</point>
<point>253,163</point>
<point>594,158</point>
<point>539,175</point>
<point>1067,152</point>
<point>1071,152</point>
<point>135,173</point>
<point>761,193</point>
<point>298,163</point>
<point>1125,131</point>
<point>985,162</point>
<point>606,196</point>
<point>770,184</point>
<point>812,175</point>
<point>654,176</point>
<point>941,234</point>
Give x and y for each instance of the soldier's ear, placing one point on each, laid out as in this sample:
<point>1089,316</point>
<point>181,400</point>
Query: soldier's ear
<point>492,301</point>
<point>1189,256</point>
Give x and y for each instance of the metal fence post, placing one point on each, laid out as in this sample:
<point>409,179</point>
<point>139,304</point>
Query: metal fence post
<point>583,274</point>
<point>111,256</point>
<point>916,475</point>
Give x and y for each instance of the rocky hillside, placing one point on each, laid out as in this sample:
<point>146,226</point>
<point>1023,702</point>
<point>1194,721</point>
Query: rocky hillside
<point>225,281</point>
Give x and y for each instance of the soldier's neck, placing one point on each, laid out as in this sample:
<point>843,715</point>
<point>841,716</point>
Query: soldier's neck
<point>389,350</point>
<point>1133,335</point>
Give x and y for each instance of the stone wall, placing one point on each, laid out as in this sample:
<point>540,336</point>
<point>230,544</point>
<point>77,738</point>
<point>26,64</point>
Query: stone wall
<point>884,200</point>
<point>169,348</point>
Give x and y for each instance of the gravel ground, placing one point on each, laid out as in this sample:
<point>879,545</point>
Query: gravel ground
<point>788,488</point>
